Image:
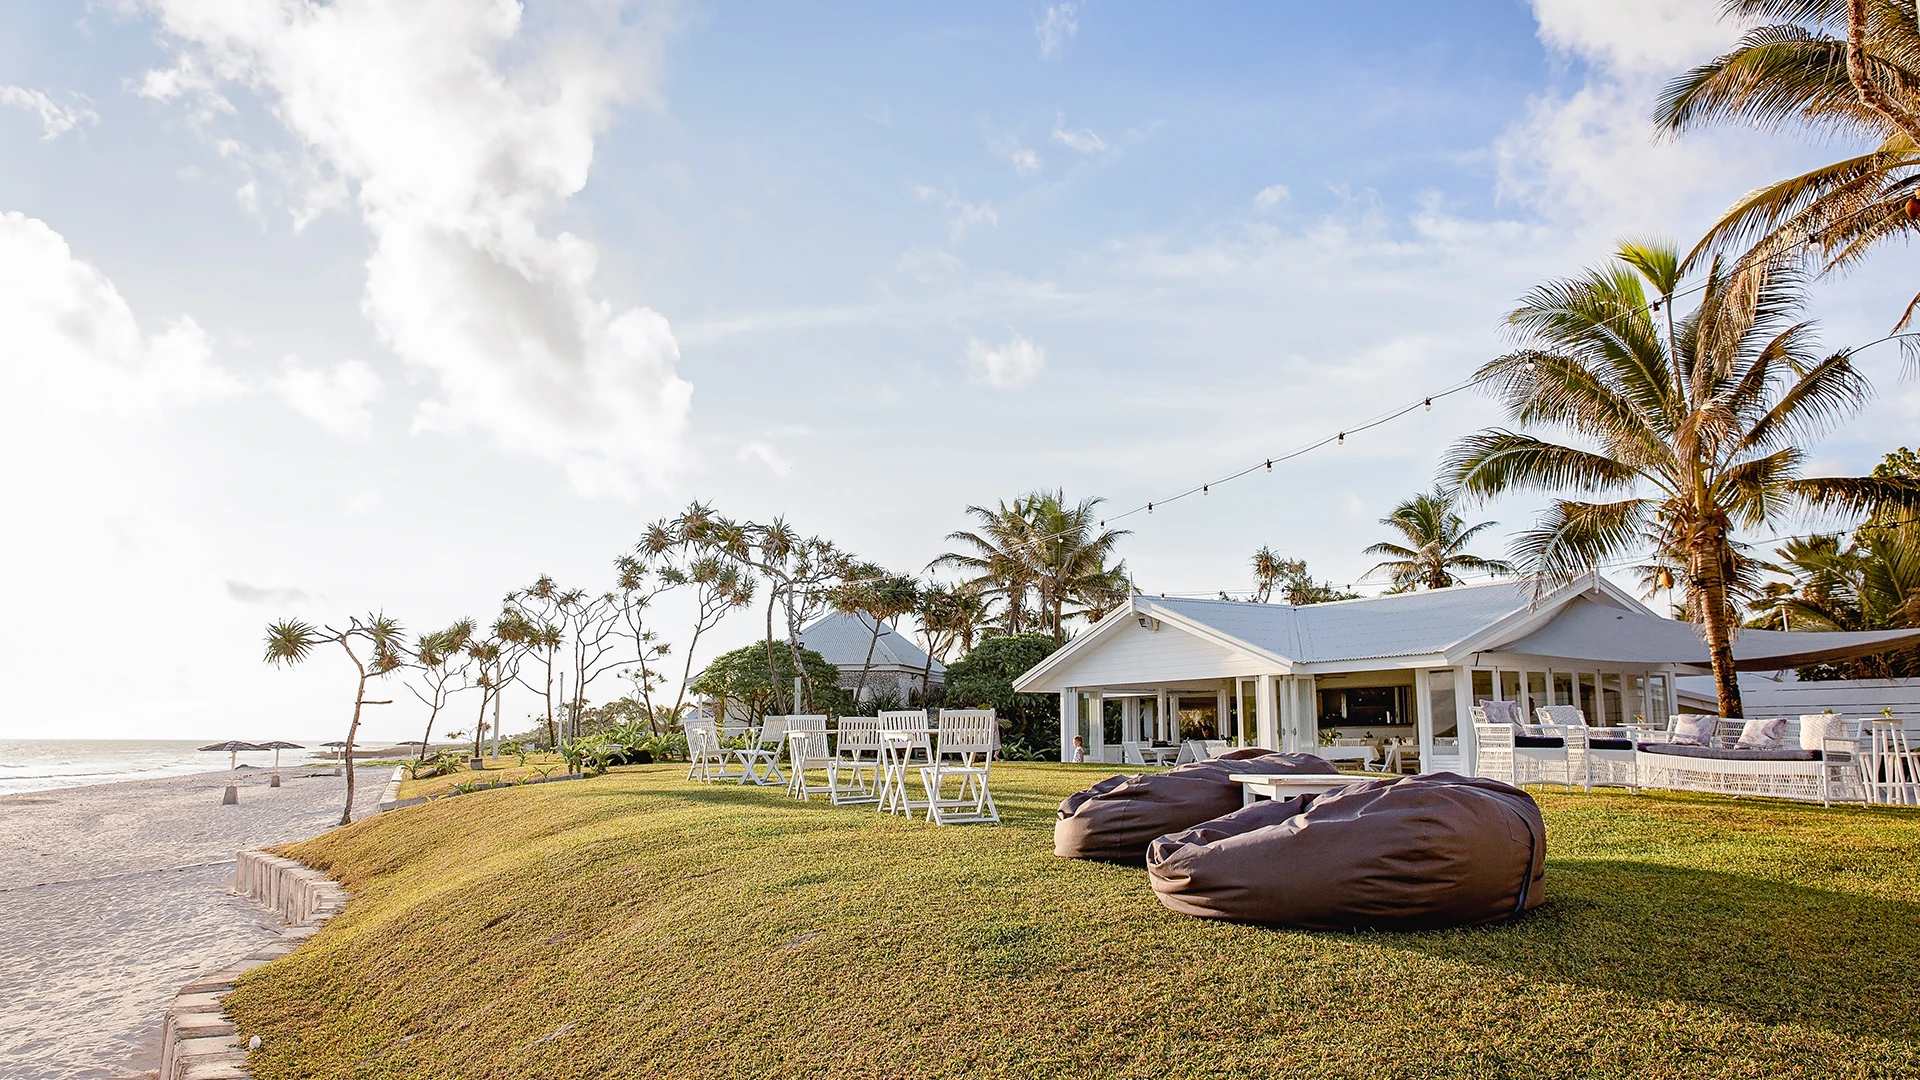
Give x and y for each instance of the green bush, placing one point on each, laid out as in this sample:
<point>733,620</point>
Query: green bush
<point>983,679</point>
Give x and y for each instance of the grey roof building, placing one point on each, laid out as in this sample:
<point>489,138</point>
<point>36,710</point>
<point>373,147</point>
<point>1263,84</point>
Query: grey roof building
<point>1399,666</point>
<point>898,663</point>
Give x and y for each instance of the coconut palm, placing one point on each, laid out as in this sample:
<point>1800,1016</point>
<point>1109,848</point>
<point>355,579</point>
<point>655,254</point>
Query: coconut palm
<point>1692,428</point>
<point>1435,538</point>
<point>1039,547</point>
<point>1845,69</point>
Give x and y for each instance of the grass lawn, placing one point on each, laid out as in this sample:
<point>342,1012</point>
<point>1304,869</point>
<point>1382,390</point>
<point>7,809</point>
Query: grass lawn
<point>636,925</point>
<point>497,769</point>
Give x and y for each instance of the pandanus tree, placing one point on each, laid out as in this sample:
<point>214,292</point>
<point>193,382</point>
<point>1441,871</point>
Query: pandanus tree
<point>1688,428</point>
<point>1435,548</point>
<point>875,597</point>
<point>442,660</point>
<point>1846,70</point>
<point>374,645</point>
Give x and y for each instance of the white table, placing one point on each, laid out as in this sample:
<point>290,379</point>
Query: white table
<point>1287,785</point>
<point>1362,753</point>
<point>1158,755</point>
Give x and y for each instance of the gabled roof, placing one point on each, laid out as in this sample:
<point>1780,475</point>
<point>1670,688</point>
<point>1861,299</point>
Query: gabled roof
<point>843,639</point>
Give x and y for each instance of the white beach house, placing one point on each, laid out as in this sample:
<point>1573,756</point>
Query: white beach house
<point>1400,666</point>
<point>896,667</point>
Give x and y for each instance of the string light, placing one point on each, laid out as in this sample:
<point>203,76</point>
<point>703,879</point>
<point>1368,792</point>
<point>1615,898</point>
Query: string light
<point>1429,404</point>
<point>1342,439</point>
<point>1269,464</point>
<point>1203,489</point>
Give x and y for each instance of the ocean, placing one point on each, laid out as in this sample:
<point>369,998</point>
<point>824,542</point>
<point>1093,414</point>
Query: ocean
<point>44,764</point>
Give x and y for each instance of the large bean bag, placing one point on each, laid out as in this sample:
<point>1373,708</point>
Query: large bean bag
<point>1118,817</point>
<point>1404,854</point>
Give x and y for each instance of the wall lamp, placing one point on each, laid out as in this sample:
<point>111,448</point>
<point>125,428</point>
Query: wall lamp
<point>1148,622</point>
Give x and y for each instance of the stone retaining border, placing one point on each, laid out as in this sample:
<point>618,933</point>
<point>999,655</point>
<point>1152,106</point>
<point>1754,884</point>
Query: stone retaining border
<point>199,1042</point>
<point>390,798</point>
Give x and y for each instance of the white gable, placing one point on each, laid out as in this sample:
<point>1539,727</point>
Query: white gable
<point>1128,654</point>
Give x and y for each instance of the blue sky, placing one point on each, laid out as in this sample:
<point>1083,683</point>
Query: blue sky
<point>399,306</point>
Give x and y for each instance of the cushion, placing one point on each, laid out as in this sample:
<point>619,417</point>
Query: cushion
<point>1762,735</point>
<point>1609,744</point>
<point>1817,727</point>
<point>1718,754</point>
<point>1694,730</point>
<point>1401,854</point>
<point>1118,817</point>
<point>1502,712</point>
<point>1538,741</point>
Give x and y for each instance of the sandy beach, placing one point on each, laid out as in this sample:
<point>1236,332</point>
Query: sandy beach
<point>113,895</point>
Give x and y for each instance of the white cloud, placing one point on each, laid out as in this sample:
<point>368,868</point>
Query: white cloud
<point>1024,160</point>
<point>336,400</point>
<point>55,119</point>
<point>1056,26</point>
<point>1015,363</point>
<point>458,134</point>
<point>764,453</point>
<point>1081,139</point>
<point>1272,195</point>
<point>962,216</point>
<point>72,342</point>
<point>1636,37</point>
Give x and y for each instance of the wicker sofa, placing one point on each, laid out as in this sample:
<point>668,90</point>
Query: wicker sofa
<point>1823,775</point>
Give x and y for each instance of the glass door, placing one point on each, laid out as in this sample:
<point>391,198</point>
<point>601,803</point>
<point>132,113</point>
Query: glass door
<point>1248,731</point>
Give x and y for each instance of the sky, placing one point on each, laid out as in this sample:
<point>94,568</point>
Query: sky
<point>309,310</point>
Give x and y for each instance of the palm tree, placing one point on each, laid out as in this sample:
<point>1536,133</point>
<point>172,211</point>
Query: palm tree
<point>1842,68</point>
<point>1039,546</point>
<point>1435,537</point>
<point>1871,583</point>
<point>1695,428</point>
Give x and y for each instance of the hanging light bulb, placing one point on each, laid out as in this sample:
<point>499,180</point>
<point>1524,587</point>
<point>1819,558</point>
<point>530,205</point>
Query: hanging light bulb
<point>1429,404</point>
<point>1341,438</point>
<point>1203,489</point>
<point>1269,464</point>
<point>1149,508</point>
<point>1654,307</point>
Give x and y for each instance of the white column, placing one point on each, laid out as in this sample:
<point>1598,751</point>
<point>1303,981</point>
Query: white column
<point>1222,702</point>
<point>1130,719</point>
<point>1163,719</point>
<point>1096,727</point>
<point>1069,721</point>
<point>1267,706</point>
<point>1423,715</point>
<point>1462,701</point>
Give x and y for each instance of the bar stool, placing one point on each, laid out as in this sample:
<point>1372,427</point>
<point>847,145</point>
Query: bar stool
<point>1889,771</point>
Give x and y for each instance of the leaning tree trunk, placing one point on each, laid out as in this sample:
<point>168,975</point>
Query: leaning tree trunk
<point>867,666</point>
<point>359,698</point>
<point>1710,569</point>
<point>773,667</point>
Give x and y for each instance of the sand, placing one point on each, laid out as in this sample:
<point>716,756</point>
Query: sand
<point>113,895</point>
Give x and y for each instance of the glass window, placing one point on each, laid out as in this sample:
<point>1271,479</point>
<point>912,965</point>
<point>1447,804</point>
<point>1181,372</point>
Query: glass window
<point>1536,692</point>
<point>1111,717</point>
<point>1637,698</point>
<point>1482,685</point>
<point>1589,705</point>
<point>1510,686</point>
<point>1249,714</point>
<point>1563,688</point>
<point>1610,703</point>
<point>1440,703</point>
<point>1657,700</point>
<point>1149,713</point>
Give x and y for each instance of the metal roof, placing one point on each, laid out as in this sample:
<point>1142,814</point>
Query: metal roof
<point>1399,624</point>
<point>1584,630</point>
<point>842,639</point>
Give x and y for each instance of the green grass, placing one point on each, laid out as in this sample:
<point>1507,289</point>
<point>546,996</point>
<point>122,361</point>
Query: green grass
<point>494,770</point>
<point>636,925</point>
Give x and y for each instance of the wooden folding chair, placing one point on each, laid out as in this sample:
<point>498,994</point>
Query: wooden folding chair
<point>963,752</point>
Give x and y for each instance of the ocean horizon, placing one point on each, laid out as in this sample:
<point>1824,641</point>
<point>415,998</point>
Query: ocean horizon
<point>47,764</point>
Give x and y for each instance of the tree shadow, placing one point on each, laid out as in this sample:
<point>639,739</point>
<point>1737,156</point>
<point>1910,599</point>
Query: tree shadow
<point>1772,951</point>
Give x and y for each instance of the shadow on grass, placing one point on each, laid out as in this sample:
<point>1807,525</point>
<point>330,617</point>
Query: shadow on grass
<point>1769,950</point>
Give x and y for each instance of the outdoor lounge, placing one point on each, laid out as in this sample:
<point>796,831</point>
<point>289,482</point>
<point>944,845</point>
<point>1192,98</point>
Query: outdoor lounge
<point>1398,675</point>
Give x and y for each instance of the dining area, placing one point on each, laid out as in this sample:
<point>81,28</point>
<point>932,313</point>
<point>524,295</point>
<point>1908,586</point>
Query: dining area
<point>934,764</point>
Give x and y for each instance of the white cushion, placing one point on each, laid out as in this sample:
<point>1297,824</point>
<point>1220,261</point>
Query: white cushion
<point>1762,735</point>
<point>1815,727</point>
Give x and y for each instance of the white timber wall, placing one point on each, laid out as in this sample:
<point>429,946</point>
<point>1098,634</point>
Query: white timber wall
<point>1135,656</point>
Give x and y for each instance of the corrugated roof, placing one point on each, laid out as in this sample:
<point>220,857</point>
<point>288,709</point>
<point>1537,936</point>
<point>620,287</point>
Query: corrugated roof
<point>1401,624</point>
<point>842,639</point>
<point>1584,630</point>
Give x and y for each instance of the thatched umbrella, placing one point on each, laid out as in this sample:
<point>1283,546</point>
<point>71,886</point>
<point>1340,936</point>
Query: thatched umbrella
<point>337,747</point>
<point>232,747</point>
<point>276,746</point>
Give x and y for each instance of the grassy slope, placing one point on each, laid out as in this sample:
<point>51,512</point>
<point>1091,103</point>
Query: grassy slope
<point>495,770</point>
<point>636,925</point>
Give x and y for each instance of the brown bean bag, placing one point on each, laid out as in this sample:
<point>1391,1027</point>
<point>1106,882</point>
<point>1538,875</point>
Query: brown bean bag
<point>1405,854</point>
<point>1119,816</point>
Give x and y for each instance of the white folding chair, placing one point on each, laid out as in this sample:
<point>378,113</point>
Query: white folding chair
<point>708,760</point>
<point>1213,748</point>
<point>857,753</point>
<point>806,750</point>
<point>903,739</point>
<point>964,752</point>
<point>1130,754</point>
<point>760,760</point>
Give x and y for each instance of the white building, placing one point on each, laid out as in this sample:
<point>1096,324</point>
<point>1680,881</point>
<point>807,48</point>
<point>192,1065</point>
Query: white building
<point>1406,665</point>
<point>898,664</point>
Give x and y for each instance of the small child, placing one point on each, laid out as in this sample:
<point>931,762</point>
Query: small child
<point>1079,750</point>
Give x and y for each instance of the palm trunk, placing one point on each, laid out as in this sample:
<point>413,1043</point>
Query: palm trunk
<point>1717,627</point>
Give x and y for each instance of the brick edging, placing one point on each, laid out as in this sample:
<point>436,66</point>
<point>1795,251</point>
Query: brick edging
<point>199,1041</point>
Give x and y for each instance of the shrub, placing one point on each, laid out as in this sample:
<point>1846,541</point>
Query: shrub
<point>983,679</point>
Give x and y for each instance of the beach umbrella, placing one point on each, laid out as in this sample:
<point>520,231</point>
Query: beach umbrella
<point>337,747</point>
<point>232,747</point>
<point>276,746</point>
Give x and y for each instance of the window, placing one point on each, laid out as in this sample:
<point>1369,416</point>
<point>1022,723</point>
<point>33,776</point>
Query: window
<point>1657,700</point>
<point>1563,688</point>
<point>1510,687</point>
<point>1610,703</point>
<point>1441,705</point>
<point>1536,692</point>
<point>1482,686</point>
<point>1589,705</point>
